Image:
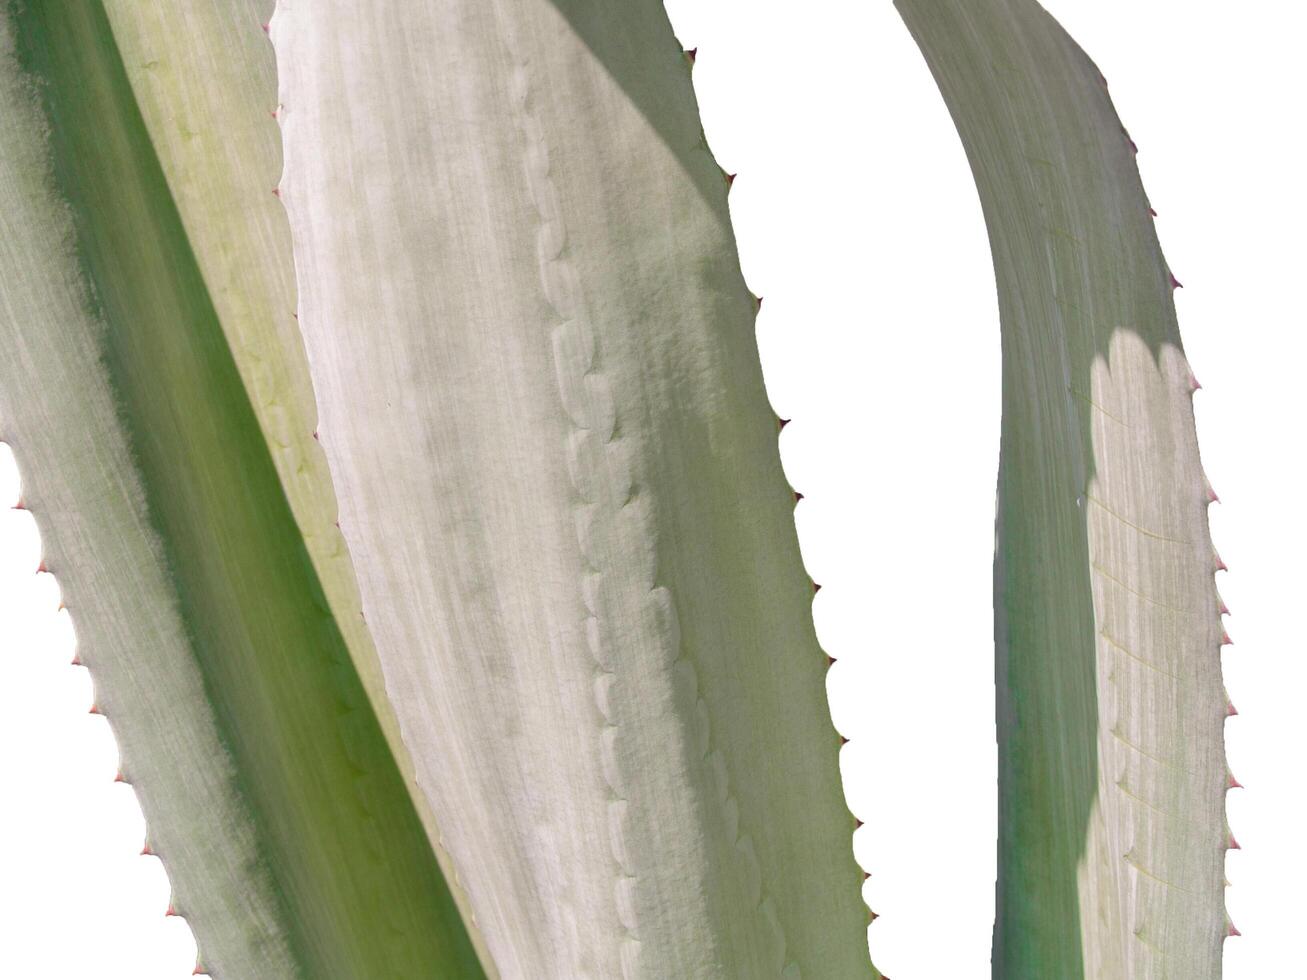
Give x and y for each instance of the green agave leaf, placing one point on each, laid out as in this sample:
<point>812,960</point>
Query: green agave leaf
<point>154,392</point>
<point>558,476</point>
<point>1110,701</point>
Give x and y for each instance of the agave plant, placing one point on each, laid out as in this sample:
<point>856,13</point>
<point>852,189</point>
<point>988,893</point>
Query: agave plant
<point>388,399</point>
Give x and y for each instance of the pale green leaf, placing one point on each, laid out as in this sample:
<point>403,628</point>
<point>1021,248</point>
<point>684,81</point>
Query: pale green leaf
<point>140,275</point>
<point>558,475</point>
<point>1111,707</point>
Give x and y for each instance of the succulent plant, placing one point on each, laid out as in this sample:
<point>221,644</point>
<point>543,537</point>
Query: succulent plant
<point>389,402</point>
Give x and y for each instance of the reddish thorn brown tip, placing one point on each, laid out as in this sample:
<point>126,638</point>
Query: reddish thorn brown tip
<point>41,567</point>
<point>782,423</point>
<point>1175,283</point>
<point>170,911</point>
<point>1233,930</point>
<point>730,179</point>
<point>76,661</point>
<point>1220,565</point>
<point>266,28</point>
<point>691,54</point>
<point>95,709</point>
<point>21,505</point>
<point>830,661</point>
<point>1233,844</point>
<point>118,777</point>
<point>315,434</point>
<point>145,850</point>
<point>1225,610</point>
<point>1153,212</point>
<point>1230,709</point>
<point>1134,148</point>
<point>797,496</point>
<point>815,588</point>
<point>843,740</point>
<point>856,823</point>
<point>276,192</point>
<point>1225,639</point>
<point>1233,783</point>
<point>1212,498</point>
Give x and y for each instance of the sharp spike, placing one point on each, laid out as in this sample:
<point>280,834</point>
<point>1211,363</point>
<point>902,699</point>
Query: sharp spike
<point>95,709</point>
<point>276,192</point>
<point>843,740</point>
<point>782,423</point>
<point>797,497</point>
<point>1220,565</point>
<point>1230,709</point>
<point>1225,639</point>
<point>1152,212</point>
<point>1175,283</point>
<point>1232,844</point>
<point>20,505</point>
<point>1231,782</point>
<point>170,911</point>
<point>118,777</point>
<point>1231,929</point>
<point>815,588</point>
<point>690,55</point>
<point>267,28</point>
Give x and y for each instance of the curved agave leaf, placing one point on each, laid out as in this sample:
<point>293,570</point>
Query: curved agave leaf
<point>541,401</point>
<point>1110,701</point>
<point>145,289</point>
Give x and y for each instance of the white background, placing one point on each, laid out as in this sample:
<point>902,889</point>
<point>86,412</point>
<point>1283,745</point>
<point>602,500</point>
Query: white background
<point>858,223</point>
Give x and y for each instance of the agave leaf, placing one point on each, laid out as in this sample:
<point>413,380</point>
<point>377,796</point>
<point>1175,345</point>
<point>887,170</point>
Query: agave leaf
<point>144,289</point>
<point>541,402</point>
<point>1110,701</point>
